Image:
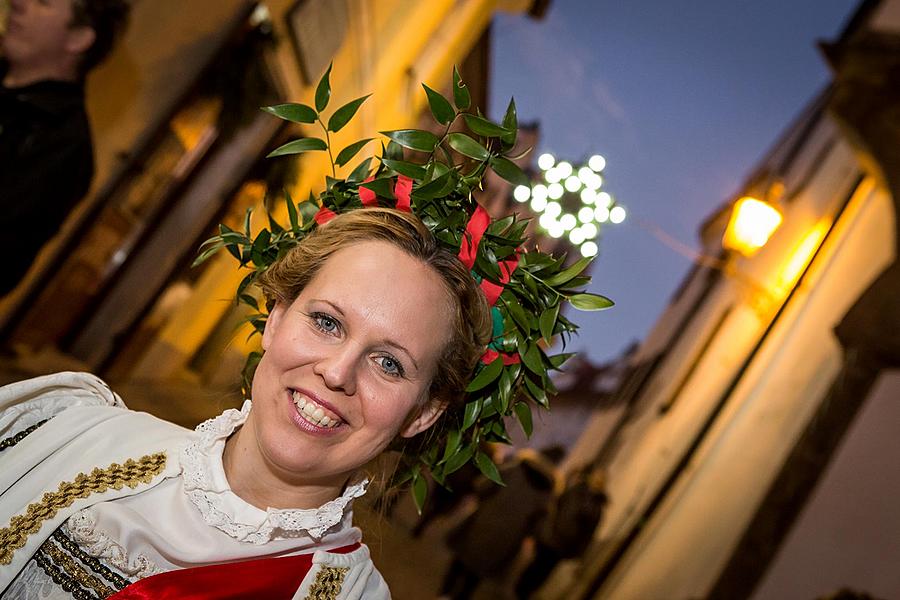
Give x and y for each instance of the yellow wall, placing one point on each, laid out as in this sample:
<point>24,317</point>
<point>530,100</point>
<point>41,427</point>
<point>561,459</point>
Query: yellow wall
<point>390,47</point>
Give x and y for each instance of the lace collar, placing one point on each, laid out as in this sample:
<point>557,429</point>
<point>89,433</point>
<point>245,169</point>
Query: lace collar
<point>206,486</point>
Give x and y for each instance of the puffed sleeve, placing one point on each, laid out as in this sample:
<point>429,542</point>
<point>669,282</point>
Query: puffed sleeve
<point>26,403</point>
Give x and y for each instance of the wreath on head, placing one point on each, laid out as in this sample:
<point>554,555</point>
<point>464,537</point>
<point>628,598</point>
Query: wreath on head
<point>525,289</point>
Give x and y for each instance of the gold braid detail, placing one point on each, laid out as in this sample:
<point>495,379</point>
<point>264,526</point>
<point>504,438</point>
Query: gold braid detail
<point>75,571</point>
<point>115,476</point>
<point>328,583</point>
<point>15,439</point>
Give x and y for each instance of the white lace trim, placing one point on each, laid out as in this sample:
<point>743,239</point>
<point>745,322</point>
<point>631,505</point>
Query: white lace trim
<point>82,527</point>
<point>205,485</point>
<point>32,583</point>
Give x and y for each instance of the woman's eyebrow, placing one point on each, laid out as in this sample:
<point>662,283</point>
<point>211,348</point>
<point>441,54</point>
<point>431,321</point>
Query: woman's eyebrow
<point>333,306</point>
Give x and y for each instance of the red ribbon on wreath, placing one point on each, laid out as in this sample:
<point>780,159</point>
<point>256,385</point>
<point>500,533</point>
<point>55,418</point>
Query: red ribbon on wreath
<point>402,192</point>
<point>468,250</point>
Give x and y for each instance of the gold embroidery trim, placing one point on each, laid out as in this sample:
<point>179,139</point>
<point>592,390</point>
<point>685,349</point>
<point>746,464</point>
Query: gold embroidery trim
<point>15,439</point>
<point>115,476</point>
<point>61,580</point>
<point>98,567</point>
<point>328,583</point>
<point>75,571</point>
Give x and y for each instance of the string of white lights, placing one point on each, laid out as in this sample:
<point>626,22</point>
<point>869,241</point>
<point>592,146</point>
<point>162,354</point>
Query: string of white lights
<point>571,201</point>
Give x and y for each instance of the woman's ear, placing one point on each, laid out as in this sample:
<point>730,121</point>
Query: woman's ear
<point>425,418</point>
<point>272,322</point>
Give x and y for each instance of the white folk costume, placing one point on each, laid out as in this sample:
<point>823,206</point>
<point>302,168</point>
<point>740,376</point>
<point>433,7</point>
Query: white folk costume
<point>95,497</point>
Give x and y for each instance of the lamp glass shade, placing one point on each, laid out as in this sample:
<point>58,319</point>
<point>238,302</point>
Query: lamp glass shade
<point>752,224</point>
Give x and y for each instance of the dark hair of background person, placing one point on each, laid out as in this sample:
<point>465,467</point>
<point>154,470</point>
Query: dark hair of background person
<point>108,19</point>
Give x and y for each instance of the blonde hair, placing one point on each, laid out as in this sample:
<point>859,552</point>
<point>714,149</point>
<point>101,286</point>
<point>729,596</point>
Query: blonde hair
<point>471,326</point>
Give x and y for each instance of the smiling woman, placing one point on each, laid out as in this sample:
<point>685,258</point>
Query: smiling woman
<point>372,332</point>
<point>398,315</point>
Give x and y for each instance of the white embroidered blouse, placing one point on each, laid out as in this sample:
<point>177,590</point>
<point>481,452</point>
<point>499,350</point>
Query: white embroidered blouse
<point>196,520</point>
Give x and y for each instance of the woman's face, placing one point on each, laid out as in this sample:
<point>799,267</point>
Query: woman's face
<point>349,363</point>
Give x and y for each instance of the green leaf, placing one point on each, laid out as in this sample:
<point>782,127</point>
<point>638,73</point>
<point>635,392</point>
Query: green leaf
<point>347,154</point>
<point>360,172</point>
<point>569,273</point>
<point>498,432</point>
<point>482,126</point>
<point>292,211</point>
<point>532,359</point>
<point>433,188</point>
<point>308,209</point>
<point>296,113</point>
<point>405,168</point>
<point>247,219</point>
<point>509,171</point>
<point>590,302</point>
<point>488,468</point>
<point>523,412</point>
<point>515,310</point>
<point>505,388</point>
<point>461,96</point>
<point>343,115</point>
<point>233,250</point>
<point>577,282</point>
<point>452,445</point>
<point>419,491</point>
<point>323,90</point>
<point>511,123</point>
<point>257,250</point>
<point>548,321</point>
<point>204,256</point>
<point>440,107</point>
<point>473,408</point>
<point>557,360</point>
<point>537,392</point>
<point>458,460</point>
<point>466,146</point>
<point>487,375</point>
<point>521,154</point>
<point>414,139</point>
<point>249,301</point>
<point>298,146</point>
<point>383,186</point>
<point>394,151</point>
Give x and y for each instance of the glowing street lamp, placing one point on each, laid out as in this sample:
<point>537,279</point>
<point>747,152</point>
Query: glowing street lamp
<point>752,224</point>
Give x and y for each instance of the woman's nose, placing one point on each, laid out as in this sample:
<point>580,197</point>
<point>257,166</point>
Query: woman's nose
<point>338,368</point>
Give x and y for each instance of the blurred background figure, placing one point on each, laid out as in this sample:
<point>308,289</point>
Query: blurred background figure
<point>460,486</point>
<point>486,543</point>
<point>567,527</point>
<point>46,152</point>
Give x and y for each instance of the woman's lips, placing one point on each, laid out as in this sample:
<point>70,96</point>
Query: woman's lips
<point>315,411</point>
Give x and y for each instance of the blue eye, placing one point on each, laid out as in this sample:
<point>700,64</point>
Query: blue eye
<point>391,366</point>
<point>325,323</point>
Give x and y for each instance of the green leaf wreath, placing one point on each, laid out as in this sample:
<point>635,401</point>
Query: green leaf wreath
<point>515,375</point>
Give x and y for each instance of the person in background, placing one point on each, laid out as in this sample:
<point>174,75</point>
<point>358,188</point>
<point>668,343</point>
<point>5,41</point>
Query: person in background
<point>488,541</point>
<point>46,153</point>
<point>567,528</point>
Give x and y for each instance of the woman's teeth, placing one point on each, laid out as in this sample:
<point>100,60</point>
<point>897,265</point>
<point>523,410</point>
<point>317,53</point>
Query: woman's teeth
<point>312,413</point>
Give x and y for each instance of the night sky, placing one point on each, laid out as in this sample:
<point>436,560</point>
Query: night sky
<point>682,98</point>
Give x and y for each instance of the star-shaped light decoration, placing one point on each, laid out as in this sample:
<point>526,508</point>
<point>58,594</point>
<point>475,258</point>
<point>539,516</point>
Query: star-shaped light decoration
<point>570,200</point>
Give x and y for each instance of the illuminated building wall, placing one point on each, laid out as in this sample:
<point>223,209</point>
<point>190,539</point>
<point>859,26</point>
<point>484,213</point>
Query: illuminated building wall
<point>744,392</point>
